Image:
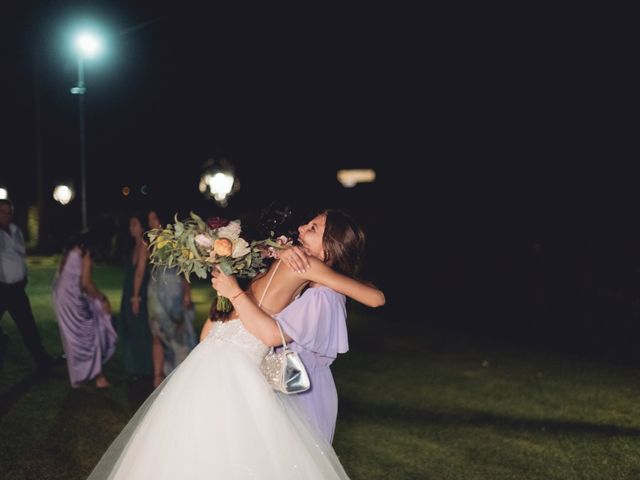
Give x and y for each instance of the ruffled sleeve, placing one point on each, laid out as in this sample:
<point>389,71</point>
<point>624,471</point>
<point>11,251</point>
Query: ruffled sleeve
<point>317,322</point>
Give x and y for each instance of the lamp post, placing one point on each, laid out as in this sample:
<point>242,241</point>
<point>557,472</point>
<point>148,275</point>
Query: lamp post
<point>219,181</point>
<point>63,194</point>
<point>87,46</point>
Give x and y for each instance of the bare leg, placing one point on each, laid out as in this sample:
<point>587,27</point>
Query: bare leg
<point>158,361</point>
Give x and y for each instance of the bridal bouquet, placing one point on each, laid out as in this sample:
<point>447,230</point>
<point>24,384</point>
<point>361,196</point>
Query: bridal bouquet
<point>197,246</point>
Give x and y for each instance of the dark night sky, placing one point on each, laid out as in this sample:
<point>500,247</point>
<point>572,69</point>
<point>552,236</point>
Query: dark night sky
<point>491,109</point>
<point>489,130</point>
<point>284,101</point>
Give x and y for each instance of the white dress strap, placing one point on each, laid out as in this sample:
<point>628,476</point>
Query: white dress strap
<point>284,342</point>
<point>269,283</point>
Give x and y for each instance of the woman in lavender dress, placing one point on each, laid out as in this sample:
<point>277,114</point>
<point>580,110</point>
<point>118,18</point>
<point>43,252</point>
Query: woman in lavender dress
<point>84,316</point>
<point>315,323</point>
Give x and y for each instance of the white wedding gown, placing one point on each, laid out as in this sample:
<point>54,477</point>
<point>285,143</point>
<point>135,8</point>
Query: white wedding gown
<point>216,417</point>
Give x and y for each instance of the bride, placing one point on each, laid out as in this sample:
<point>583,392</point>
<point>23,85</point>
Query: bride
<point>234,425</point>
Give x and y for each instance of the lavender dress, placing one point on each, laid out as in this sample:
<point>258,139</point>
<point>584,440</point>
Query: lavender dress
<point>316,322</point>
<point>88,337</point>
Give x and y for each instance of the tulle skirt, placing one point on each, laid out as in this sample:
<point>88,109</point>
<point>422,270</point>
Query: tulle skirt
<point>215,417</point>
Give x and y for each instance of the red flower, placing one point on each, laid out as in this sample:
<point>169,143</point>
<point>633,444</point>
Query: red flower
<point>217,222</point>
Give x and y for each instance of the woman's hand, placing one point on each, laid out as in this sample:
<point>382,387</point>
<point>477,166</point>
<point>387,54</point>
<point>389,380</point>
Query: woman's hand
<point>135,305</point>
<point>225,285</point>
<point>295,258</point>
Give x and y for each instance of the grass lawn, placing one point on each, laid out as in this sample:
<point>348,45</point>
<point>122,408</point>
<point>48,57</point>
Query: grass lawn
<point>415,403</point>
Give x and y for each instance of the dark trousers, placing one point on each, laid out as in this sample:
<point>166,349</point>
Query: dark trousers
<point>13,298</point>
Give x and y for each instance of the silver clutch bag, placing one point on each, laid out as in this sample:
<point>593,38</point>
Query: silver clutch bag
<point>284,370</point>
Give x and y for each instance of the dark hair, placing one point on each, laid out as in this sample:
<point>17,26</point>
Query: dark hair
<point>217,316</point>
<point>343,242</point>
<point>6,201</point>
<point>129,242</point>
<point>77,240</point>
<point>82,240</point>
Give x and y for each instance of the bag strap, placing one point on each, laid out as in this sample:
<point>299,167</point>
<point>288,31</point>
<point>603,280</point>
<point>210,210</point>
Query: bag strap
<point>284,342</point>
<point>269,283</point>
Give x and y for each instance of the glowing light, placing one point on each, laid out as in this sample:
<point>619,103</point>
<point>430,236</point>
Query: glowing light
<point>4,194</point>
<point>218,180</point>
<point>63,194</point>
<point>88,44</point>
<point>220,185</point>
<point>349,178</point>
<point>126,191</point>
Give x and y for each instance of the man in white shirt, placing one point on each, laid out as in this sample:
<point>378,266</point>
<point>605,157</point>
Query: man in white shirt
<point>13,297</point>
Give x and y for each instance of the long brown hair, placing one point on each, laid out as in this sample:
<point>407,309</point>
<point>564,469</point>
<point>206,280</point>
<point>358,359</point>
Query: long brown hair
<point>77,240</point>
<point>343,242</point>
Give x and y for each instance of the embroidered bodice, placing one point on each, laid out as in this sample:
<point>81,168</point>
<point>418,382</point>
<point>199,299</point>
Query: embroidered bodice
<point>233,332</point>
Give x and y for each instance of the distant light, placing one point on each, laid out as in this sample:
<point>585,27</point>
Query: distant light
<point>88,44</point>
<point>4,194</point>
<point>220,185</point>
<point>349,178</point>
<point>144,189</point>
<point>63,194</point>
<point>126,191</point>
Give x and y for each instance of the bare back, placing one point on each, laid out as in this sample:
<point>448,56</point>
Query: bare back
<point>283,289</point>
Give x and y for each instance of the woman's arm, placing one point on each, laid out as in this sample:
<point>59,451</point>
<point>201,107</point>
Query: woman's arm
<point>321,273</point>
<point>85,278</point>
<point>257,322</point>
<point>186,294</point>
<point>143,255</point>
<point>301,263</point>
<point>87,283</point>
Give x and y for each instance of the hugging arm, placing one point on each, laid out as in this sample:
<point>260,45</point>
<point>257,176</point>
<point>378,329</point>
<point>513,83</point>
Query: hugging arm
<point>255,320</point>
<point>321,273</point>
<point>263,326</point>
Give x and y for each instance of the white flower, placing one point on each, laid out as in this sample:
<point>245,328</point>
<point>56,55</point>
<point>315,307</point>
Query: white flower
<point>241,248</point>
<point>283,240</point>
<point>231,231</point>
<point>203,241</point>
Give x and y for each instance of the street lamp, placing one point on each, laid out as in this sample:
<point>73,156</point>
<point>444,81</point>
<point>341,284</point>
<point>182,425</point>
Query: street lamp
<point>4,193</point>
<point>218,180</point>
<point>87,45</point>
<point>63,194</point>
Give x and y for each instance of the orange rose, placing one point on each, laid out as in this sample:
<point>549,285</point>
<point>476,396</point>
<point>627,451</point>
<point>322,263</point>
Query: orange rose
<point>223,247</point>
